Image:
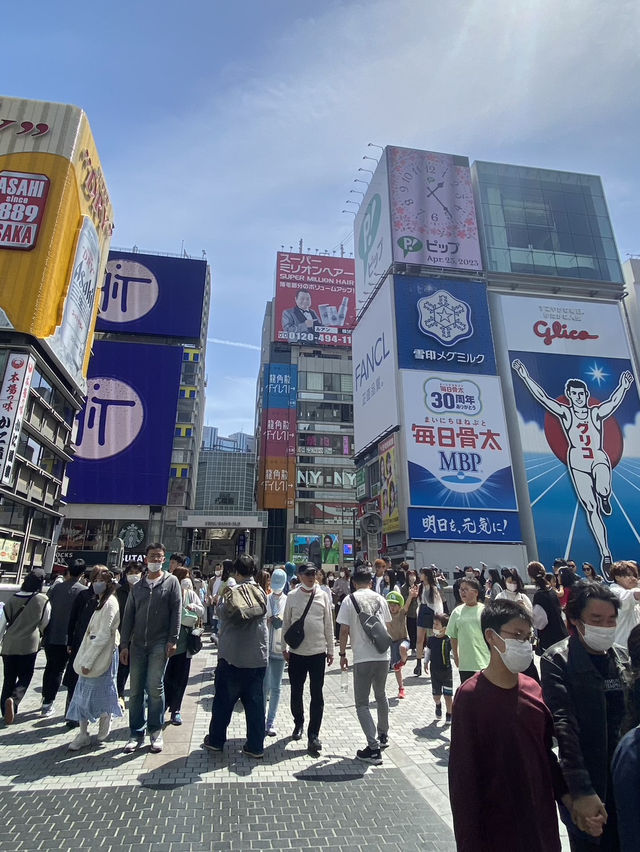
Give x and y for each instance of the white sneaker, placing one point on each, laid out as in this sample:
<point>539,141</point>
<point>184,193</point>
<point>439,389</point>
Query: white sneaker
<point>121,704</point>
<point>47,709</point>
<point>157,743</point>
<point>104,726</point>
<point>133,745</point>
<point>80,741</point>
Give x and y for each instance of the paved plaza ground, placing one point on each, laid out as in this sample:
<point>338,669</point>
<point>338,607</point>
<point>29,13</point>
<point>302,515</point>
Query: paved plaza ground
<point>187,799</point>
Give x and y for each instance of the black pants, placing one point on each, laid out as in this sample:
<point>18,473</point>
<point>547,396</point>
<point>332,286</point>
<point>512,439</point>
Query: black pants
<point>122,678</point>
<point>412,630</point>
<point>299,667</point>
<point>176,677</point>
<point>18,671</point>
<point>465,676</point>
<point>52,676</point>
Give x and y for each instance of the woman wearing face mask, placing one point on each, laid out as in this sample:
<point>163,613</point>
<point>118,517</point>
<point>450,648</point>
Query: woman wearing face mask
<point>95,696</point>
<point>411,579</point>
<point>128,580</point>
<point>585,684</point>
<point>275,665</point>
<point>176,674</point>
<point>493,782</point>
<point>514,590</point>
<point>339,592</point>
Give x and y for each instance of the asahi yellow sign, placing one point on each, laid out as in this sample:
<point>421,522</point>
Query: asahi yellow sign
<point>55,227</point>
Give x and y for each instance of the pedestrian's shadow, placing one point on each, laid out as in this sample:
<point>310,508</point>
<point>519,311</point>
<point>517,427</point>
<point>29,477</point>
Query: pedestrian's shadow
<point>441,752</point>
<point>156,779</point>
<point>332,771</point>
<point>429,732</point>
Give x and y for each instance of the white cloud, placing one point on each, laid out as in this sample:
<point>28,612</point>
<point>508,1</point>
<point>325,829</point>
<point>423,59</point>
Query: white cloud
<point>532,437</point>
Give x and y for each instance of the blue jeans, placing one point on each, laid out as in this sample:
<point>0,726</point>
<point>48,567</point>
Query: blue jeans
<point>272,687</point>
<point>232,683</point>
<point>146,673</point>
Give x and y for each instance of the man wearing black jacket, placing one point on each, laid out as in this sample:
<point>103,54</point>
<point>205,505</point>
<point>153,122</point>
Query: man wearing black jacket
<point>585,681</point>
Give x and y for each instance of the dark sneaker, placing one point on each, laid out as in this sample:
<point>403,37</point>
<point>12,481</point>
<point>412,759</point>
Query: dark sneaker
<point>314,747</point>
<point>206,744</point>
<point>447,719</point>
<point>370,755</point>
<point>176,719</point>
<point>254,754</point>
<point>383,739</point>
<point>297,732</point>
<point>418,669</point>
<point>438,711</point>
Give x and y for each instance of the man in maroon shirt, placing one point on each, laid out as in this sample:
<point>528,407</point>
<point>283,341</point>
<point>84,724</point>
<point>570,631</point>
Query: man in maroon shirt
<point>503,776</point>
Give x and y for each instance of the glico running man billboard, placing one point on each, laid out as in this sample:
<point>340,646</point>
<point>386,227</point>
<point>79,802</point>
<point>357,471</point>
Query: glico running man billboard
<point>55,228</point>
<point>579,419</point>
<point>315,299</point>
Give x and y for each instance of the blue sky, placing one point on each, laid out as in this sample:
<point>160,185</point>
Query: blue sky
<point>240,127</point>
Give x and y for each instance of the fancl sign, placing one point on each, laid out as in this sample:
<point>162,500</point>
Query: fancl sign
<point>375,356</point>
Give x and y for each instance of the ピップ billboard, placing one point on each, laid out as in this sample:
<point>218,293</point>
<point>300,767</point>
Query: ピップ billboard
<point>315,299</point>
<point>458,457</point>
<point>579,420</point>
<point>433,214</point>
<point>55,227</point>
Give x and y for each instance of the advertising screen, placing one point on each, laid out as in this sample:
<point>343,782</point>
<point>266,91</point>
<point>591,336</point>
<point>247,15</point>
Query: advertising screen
<point>125,431</point>
<point>277,473</point>
<point>389,509</point>
<point>55,227</point>
<point>443,324</point>
<point>375,406</point>
<point>433,213</point>
<point>578,413</point>
<point>315,299</point>
<point>322,550</point>
<point>152,294</point>
<point>458,451</point>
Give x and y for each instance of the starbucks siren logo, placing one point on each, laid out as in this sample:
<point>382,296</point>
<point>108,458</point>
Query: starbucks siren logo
<point>444,317</point>
<point>132,535</point>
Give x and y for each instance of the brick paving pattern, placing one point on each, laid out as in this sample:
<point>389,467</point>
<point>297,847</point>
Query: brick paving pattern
<point>189,799</point>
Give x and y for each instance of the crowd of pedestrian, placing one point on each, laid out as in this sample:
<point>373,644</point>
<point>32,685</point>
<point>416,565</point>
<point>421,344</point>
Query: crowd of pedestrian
<point>525,740</point>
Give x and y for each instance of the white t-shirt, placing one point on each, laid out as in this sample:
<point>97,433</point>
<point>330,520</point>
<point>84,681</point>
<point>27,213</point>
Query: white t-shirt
<point>628,614</point>
<point>364,651</point>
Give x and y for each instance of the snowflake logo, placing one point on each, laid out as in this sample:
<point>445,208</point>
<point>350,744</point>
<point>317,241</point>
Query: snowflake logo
<point>444,317</point>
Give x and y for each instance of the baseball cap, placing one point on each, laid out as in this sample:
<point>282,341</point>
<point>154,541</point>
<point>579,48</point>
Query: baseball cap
<point>307,568</point>
<point>278,580</point>
<point>395,598</point>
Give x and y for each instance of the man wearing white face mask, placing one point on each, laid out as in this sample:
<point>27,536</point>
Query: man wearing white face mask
<point>584,682</point>
<point>150,629</point>
<point>493,781</point>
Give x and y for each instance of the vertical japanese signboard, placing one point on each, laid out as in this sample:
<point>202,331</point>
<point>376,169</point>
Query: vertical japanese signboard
<point>372,235</point>
<point>278,477</point>
<point>460,481</point>
<point>55,227</point>
<point>579,415</point>
<point>389,508</point>
<point>14,391</point>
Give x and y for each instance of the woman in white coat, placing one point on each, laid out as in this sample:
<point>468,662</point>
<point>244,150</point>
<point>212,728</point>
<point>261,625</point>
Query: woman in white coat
<point>96,695</point>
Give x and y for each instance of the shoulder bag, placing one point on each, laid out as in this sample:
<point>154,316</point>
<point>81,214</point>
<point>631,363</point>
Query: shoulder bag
<point>373,628</point>
<point>295,634</point>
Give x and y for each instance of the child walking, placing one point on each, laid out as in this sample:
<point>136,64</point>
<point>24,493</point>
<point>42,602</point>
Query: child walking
<point>438,652</point>
<point>400,644</point>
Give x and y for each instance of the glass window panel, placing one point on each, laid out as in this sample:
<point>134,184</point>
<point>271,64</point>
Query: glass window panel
<point>583,244</point>
<point>579,223</point>
<point>514,215</point>
<point>517,235</point>
<point>574,202</point>
<point>314,381</point>
<point>499,260</point>
<point>609,248</point>
<point>541,238</point>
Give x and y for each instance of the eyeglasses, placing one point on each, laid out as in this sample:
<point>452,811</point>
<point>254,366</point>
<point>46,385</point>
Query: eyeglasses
<point>521,636</point>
